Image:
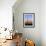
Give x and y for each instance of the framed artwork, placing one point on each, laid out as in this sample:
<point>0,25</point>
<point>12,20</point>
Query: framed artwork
<point>29,20</point>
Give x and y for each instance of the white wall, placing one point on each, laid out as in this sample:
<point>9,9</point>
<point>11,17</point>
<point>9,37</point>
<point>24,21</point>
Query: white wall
<point>43,22</point>
<point>6,13</point>
<point>28,6</point>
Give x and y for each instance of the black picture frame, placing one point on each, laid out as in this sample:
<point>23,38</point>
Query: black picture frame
<point>28,20</point>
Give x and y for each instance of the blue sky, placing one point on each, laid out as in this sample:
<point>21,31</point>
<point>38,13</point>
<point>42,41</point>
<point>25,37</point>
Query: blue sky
<point>29,16</point>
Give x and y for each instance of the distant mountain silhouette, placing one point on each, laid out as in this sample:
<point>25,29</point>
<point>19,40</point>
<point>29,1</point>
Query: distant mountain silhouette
<point>28,23</point>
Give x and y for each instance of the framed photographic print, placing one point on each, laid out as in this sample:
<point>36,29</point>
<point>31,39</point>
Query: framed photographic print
<point>29,20</point>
